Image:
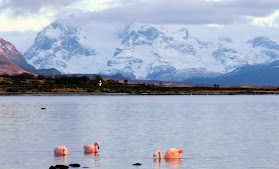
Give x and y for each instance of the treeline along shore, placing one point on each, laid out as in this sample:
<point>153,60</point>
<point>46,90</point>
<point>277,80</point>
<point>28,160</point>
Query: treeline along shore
<point>29,84</point>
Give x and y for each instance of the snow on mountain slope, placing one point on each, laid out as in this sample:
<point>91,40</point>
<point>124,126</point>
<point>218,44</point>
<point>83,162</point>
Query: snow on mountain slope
<point>147,50</point>
<point>64,46</point>
<point>157,52</point>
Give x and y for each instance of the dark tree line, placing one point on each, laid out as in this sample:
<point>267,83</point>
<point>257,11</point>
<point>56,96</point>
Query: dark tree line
<point>55,79</point>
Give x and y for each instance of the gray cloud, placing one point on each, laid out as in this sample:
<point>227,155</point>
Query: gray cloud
<point>162,11</point>
<point>21,40</point>
<point>189,11</point>
<point>23,6</point>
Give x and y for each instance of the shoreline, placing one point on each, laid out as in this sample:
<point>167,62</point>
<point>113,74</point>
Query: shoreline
<point>25,85</point>
<point>135,94</point>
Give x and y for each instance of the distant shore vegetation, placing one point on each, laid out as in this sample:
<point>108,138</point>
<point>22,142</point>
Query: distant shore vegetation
<point>28,84</point>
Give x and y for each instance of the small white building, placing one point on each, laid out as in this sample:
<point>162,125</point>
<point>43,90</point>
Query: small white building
<point>100,83</point>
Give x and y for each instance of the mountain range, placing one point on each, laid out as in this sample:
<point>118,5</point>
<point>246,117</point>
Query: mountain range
<point>260,74</point>
<point>146,52</point>
<point>151,52</point>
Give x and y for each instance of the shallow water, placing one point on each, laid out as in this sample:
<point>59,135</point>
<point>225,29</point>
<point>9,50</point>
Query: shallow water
<point>214,131</point>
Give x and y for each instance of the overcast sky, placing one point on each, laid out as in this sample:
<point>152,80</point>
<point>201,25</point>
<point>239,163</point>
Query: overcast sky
<point>34,15</point>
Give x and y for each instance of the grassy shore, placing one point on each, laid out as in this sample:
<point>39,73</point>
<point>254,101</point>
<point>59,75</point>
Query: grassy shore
<point>26,84</point>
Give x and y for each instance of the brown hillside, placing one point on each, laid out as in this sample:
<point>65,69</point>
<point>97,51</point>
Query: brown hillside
<point>9,51</point>
<point>9,67</point>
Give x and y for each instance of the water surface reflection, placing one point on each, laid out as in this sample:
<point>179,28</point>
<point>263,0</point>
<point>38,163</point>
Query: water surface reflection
<point>63,159</point>
<point>170,163</point>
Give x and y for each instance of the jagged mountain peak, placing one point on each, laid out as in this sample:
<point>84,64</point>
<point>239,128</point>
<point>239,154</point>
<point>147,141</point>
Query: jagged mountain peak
<point>264,42</point>
<point>185,32</point>
<point>60,37</point>
<point>143,51</point>
<point>68,48</point>
<point>57,29</point>
<point>141,37</point>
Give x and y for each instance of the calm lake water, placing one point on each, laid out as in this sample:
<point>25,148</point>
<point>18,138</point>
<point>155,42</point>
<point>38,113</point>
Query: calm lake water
<point>215,132</point>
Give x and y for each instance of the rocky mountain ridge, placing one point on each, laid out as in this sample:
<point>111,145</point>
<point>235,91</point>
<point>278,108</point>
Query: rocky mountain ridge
<point>9,67</point>
<point>148,52</point>
<point>9,51</point>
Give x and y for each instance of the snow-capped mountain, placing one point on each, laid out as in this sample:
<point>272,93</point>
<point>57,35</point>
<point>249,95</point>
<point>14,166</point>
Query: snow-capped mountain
<point>68,48</point>
<point>157,52</point>
<point>58,46</point>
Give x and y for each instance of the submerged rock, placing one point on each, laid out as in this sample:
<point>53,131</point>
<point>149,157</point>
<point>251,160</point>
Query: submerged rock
<point>74,165</point>
<point>137,164</point>
<point>61,167</point>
